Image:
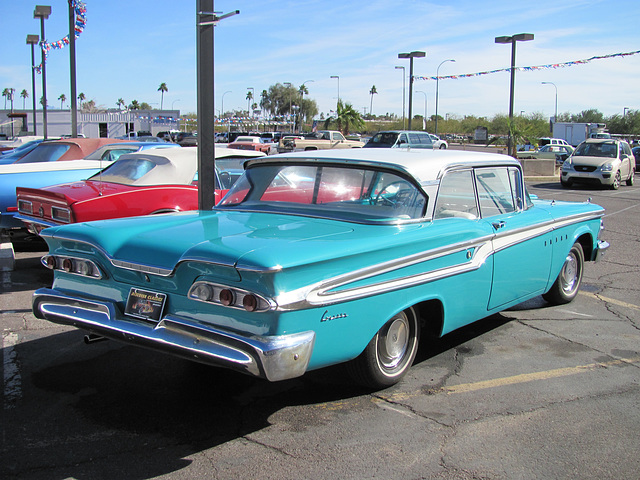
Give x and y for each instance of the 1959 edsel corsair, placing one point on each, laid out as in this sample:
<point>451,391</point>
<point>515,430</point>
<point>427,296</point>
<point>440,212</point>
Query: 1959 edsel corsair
<point>319,258</point>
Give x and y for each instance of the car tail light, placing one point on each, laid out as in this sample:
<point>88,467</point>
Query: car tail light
<point>76,266</point>
<point>229,297</point>
<point>61,214</point>
<point>25,206</point>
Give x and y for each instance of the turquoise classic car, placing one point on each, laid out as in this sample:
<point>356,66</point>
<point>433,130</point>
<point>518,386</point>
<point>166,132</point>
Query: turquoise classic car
<point>319,258</point>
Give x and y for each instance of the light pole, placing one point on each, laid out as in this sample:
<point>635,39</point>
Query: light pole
<point>42,12</point>
<point>72,68</point>
<point>403,89</point>
<point>438,87</point>
<point>425,107</point>
<point>222,110</point>
<point>289,85</point>
<point>411,56</point>
<point>624,111</point>
<point>521,37</point>
<point>33,40</point>
<point>338,78</point>
<point>555,118</point>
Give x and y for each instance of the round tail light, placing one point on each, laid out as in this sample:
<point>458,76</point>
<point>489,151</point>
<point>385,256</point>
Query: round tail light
<point>250,303</point>
<point>226,297</point>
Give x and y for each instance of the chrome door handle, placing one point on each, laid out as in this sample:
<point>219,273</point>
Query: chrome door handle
<point>498,225</point>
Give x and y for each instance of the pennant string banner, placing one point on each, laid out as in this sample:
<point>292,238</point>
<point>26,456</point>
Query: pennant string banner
<point>80,10</point>
<point>529,69</point>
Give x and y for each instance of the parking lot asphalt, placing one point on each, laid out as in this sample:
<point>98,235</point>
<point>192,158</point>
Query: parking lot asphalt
<point>533,392</point>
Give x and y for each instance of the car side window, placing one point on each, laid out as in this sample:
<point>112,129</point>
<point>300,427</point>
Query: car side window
<point>494,191</point>
<point>415,139</point>
<point>425,139</point>
<point>456,196</point>
<point>403,139</point>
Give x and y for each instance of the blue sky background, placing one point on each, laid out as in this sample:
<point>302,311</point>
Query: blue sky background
<point>129,47</point>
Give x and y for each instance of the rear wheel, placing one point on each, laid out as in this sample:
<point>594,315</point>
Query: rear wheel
<point>630,179</point>
<point>389,354</point>
<point>443,146</point>
<point>566,286</point>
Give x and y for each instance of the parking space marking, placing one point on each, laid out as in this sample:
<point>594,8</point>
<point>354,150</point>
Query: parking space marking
<point>611,300</point>
<point>12,379</point>
<point>530,377</point>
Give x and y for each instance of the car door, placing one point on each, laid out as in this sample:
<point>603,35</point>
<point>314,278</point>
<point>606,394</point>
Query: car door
<point>522,253</point>
<point>625,159</point>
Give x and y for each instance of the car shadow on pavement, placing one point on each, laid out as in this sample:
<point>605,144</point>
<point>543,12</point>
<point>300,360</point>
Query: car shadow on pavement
<point>85,405</point>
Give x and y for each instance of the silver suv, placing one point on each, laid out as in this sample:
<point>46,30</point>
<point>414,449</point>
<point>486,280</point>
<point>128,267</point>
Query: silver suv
<point>599,161</point>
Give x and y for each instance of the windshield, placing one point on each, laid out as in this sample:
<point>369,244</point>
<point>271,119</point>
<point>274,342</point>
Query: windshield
<point>353,194</point>
<point>49,152</point>
<point>125,171</point>
<point>606,150</point>
<point>109,153</point>
<point>383,139</point>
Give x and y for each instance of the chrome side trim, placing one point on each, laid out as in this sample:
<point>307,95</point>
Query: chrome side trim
<point>274,358</point>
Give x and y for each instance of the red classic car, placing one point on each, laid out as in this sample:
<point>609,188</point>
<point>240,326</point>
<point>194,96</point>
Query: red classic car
<point>142,183</point>
<point>254,143</point>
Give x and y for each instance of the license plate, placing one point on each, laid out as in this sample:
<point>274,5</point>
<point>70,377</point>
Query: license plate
<point>145,304</point>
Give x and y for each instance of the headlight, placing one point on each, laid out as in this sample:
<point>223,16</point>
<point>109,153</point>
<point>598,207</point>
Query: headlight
<point>566,165</point>
<point>607,167</point>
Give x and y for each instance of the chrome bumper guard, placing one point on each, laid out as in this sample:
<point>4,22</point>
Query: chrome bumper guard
<point>601,250</point>
<point>273,358</point>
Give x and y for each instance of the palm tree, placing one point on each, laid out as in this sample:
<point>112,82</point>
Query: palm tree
<point>347,117</point>
<point>62,99</point>
<point>24,94</point>
<point>249,97</point>
<point>162,88</point>
<point>6,93</point>
<point>134,105</point>
<point>120,103</point>
<point>81,97</point>
<point>372,92</point>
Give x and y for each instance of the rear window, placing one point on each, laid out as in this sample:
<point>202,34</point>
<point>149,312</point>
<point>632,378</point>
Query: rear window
<point>45,153</point>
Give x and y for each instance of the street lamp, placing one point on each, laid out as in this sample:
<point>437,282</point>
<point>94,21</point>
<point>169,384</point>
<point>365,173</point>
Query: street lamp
<point>33,40</point>
<point>425,107</point>
<point>411,56</point>
<point>338,78</point>
<point>437,88</point>
<point>42,12</point>
<point>624,111</point>
<point>222,109</point>
<point>403,106</point>
<point>555,118</point>
<point>521,37</point>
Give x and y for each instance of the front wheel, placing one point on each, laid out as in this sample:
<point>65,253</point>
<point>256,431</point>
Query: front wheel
<point>389,354</point>
<point>617,180</point>
<point>443,146</point>
<point>566,286</point>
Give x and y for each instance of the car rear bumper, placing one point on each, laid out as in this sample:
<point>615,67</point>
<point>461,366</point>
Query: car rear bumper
<point>271,357</point>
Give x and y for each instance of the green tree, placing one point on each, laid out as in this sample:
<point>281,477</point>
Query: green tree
<point>346,118</point>
<point>24,94</point>
<point>162,88</point>
<point>249,97</point>
<point>62,98</point>
<point>120,103</point>
<point>372,92</point>
<point>134,105</point>
<point>588,116</point>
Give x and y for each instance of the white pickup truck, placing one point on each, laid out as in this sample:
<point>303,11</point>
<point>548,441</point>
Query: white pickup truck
<point>321,140</point>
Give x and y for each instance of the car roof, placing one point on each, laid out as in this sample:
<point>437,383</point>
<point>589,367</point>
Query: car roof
<point>426,166</point>
<point>603,140</point>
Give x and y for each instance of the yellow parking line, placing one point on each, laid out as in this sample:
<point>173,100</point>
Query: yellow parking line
<point>530,377</point>
<point>611,300</point>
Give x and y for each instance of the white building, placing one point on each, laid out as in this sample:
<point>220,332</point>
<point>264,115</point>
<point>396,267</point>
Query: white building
<point>111,124</point>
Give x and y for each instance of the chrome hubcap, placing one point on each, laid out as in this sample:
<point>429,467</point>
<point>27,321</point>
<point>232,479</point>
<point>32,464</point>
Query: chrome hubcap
<point>570,273</point>
<point>393,342</point>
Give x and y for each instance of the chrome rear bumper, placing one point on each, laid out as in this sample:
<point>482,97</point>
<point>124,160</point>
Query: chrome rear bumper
<point>273,358</point>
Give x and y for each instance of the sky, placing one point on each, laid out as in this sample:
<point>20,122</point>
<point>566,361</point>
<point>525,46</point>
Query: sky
<point>128,48</point>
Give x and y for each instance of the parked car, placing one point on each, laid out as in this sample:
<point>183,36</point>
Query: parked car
<point>15,154</point>
<point>552,141</point>
<point>438,142</point>
<point>400,139</point>
<point>318,258</point>
<point>257,144</point>
<point>597,161</point>
<point>636,154</point>
<point>56,162</point>
<point>143,183</point>
<point>187,139</point>
<point>559,153</point>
